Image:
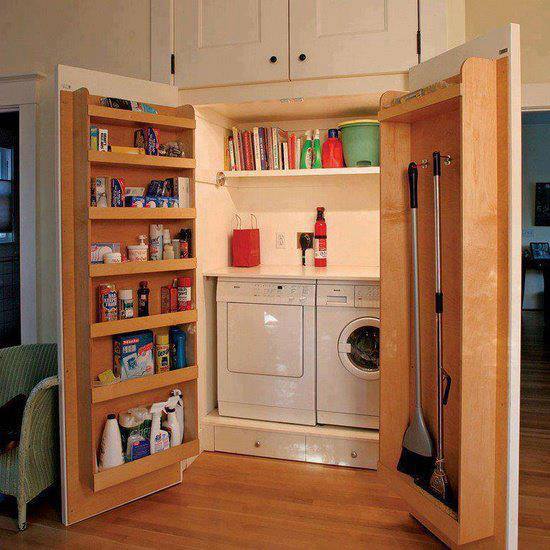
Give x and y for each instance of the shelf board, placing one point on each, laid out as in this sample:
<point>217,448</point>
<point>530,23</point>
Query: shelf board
<point>108,115</point>
<point>355,170</point>
<point>143,384</point>
<point>410,110</point>
<point>146,465</point>
<point>440,519</point>
<point>148,161</point>
<point>109,328</point>
<point>151,266</point>
<point>96,213</point>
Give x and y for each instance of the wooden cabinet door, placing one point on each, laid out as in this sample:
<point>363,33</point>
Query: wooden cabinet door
<point>330,38</point>
<point>219,43</point>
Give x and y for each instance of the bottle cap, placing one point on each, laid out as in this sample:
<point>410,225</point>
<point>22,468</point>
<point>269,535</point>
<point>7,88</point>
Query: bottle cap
<point>125,294</point>
<point>187,281</point>
<point>181,281</point>
<point>316,135</point>
<point>111,416</point>
<point>162,339</point>
<point>333,133</point>
<point>143,284</point>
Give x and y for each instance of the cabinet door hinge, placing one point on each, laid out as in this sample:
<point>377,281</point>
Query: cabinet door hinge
<point>172,63</point>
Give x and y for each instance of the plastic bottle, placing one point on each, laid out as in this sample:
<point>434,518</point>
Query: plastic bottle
<point>155,242</point>
<point>159,441</point>
<point>320,239</point>
<point>162,353</point>
<point>143,299</point>
<point>125,304</point>
<point>180,415</point>
<point>333,155</point>
<point>307,152</point>
<point>110,452</point>
<point>316,162</point>
<point>171,425</point>
<point>178,340</point>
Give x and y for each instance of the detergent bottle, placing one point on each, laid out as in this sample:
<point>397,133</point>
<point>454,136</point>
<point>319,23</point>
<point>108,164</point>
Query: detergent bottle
<point>159,441</point>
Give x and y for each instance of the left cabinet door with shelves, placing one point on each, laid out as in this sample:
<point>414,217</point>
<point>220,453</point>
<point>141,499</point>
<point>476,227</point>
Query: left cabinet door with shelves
<point>88,344</point>
<point>219,43</point>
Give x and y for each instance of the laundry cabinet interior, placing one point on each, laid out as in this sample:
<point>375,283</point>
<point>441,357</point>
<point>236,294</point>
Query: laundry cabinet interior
<point>221,43</point>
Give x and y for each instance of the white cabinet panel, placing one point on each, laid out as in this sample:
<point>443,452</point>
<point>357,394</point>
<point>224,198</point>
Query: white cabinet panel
<point>220,42</point>
<point>331,38</point>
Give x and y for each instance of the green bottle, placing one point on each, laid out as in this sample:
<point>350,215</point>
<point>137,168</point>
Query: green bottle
<point>317,151</point>
<point>307,152</point>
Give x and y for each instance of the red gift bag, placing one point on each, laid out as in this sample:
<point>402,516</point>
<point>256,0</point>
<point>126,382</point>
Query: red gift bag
<point>245,245</point>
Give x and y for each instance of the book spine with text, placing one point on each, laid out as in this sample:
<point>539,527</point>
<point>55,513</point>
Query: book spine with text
<point>256,141</point>
<point>263,152</point>
<point>248,151</point>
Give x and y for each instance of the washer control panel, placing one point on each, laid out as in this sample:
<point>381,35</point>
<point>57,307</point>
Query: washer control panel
<point>367,296</point>
<point>254,292</point>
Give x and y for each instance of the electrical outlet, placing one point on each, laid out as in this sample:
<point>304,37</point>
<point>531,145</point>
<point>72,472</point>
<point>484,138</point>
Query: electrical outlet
<point>280,241</point>
<point>299,234</point>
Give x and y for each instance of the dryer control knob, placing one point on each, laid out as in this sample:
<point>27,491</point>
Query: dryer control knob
<point>353,454</point>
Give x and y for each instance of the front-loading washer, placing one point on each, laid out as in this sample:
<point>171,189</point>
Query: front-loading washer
<point>348,359</point>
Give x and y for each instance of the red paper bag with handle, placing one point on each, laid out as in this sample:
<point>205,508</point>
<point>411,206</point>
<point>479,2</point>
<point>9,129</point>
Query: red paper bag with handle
<point>245,245</point>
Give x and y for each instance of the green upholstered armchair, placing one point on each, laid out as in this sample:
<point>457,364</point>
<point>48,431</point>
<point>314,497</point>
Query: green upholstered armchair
<point>32,466</point>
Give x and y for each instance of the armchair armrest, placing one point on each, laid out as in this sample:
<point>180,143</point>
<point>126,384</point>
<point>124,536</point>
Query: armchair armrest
<point>38,446</point>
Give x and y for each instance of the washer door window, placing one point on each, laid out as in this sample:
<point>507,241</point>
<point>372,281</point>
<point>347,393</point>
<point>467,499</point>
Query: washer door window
<point>359,348</point>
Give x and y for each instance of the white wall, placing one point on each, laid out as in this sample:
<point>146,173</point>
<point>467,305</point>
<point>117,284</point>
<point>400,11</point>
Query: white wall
<point>36,35</point>
<point>536,168</point>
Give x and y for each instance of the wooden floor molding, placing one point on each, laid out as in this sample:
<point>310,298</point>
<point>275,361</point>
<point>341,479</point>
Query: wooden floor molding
<point>231,501</point>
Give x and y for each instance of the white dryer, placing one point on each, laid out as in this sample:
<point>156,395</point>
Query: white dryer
<point>266,350</point>
<point>348,360</point>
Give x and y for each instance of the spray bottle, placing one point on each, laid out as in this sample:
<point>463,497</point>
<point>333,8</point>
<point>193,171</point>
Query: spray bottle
<point>178,405</point>
<point>316,163</point>
<point>306,159</point>
<point>160,440</point>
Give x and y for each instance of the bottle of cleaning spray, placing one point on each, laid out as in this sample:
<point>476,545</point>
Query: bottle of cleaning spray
<point>160,440</point>
<point>307,152</point>
<point>178,405</point>
<point>171,425</point>
<point>317,162</point>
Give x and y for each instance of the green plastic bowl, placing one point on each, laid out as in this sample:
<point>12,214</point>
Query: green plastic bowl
<point>361,142</point>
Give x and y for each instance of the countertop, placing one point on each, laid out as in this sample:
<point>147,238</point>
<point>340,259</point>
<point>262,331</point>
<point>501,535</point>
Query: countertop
<point>331,272</point>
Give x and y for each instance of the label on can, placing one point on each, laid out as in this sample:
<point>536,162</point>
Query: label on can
<point>108,307</point>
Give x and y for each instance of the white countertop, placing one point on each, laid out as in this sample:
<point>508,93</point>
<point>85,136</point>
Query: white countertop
<point>331,272</point>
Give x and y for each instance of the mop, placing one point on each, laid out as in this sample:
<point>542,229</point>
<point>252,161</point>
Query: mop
<point>439,482</point>
<point>417,453</point>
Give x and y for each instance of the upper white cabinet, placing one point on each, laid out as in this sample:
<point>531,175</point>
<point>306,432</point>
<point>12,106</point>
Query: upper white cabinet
<point>220,42</point>
<point>331,38</point>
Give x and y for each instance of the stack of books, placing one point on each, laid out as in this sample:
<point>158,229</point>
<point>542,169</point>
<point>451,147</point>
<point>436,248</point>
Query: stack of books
<point>263,149</point>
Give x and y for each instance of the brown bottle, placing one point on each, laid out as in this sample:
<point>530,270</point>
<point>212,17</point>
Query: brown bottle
<point>143,299</point>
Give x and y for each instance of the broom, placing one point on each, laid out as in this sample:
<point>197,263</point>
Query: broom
<point>417,454</point>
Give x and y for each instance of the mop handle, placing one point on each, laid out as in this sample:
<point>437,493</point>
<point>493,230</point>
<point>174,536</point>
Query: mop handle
<point>413,191</point>
<point>438,303</point>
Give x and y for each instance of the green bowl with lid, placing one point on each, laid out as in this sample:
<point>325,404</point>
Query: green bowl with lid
<point>361,142</point>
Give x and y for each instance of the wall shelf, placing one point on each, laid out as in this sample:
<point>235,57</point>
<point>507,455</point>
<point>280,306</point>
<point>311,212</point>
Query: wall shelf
<point>96,213</point>
<point>146,161</point>
<point>313,172</point>
<point>143,384</point>
<point>108,115</point>
<point>146,465</point>
<point>151,266</point>
<point>110,328</point>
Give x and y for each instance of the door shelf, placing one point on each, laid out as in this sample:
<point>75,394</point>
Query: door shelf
<point>143,384</point>
<point>146,161</point>
<point>151,266</point>
<point>97,213</point>
<point>146,465</point>
<point>108,115</point>
<point>110,328</point>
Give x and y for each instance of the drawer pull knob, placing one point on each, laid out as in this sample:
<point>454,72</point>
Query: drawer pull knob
<point>353,454</point>
<point>273,59</point>
<point>302,57</point>
<point>257,444</point>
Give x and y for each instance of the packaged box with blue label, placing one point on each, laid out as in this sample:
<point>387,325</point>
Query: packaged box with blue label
<point>133,354</point>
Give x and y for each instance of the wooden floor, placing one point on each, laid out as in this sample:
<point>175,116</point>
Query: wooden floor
<point>230,501</point>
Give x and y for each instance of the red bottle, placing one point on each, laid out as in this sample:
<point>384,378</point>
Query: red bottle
<point>320,239</point>
<point>332,155</point>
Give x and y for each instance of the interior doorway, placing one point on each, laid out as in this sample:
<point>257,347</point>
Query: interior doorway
<point>534,502</point>
<point>10,283</point>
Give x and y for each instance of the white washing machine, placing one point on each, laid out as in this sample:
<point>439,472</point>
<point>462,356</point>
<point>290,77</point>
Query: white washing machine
<point>266,350</point>
<point>348,360</point>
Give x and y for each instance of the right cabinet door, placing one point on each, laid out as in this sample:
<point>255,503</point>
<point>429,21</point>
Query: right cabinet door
<point>331,38</point>
<point>218,43</point>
